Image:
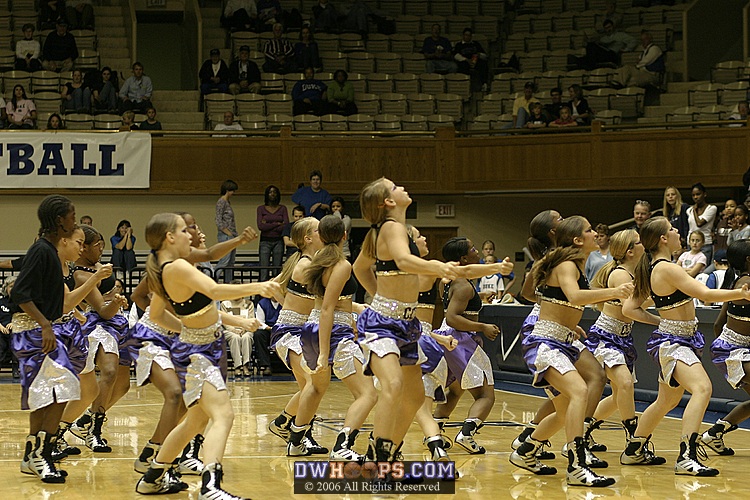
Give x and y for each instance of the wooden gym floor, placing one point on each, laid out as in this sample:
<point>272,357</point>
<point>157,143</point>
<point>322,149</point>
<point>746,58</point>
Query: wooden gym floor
<point>256,465</point>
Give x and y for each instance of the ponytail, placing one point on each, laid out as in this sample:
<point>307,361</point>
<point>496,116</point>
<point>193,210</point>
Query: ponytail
<point>567,231</point>
<point>651,232</point>
<point>331,231</point>
<point>300,230</point>
<point>372,204</point>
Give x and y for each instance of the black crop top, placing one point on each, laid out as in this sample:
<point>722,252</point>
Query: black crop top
<point>297,288</point>
<point>105,286</point>
<point>192,306</point>
<point>618,302</point>
<point>556,295</point>
<point>428,298</point>
<point>69,280</point>
<point>389,267</point>
<point>474,305</point>
<point>739,312</point>
<point>674,299</point>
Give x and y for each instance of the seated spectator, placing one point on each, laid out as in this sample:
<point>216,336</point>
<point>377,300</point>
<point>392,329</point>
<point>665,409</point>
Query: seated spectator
<point>239,339</point>
<point>28,51</point>
<point>306,53</point>
<point>326,17</point>
<point>229,124</point>
<point>267,313</point>
<point>741,113</point>
<point>76,95</point>
<point>491,287</point>
<point>3,113</point>
<point>6,326</point>
<point>472,59</point>
<point>135,94</point>
<point>693,261</point>
<point>105,89</point>
<point>150,123</point>
<point>54,122</point>
<point>21,110</point>
<point>244,75</point>
<point>214,74</point>
<point>599,257</point>
<point>240,15</point>
<point>610,15</point>
<point>279,53</point>
<point>341,94</point>
<point>521,105</point>
<point>537,118</point>
<point>607,49</point>
<point>579,106</point>
<point>85,219</point>
<point>310,95</point>
<point>552,111</point>
<point>49,13</point>
<point>740,227</point>
<point>648,69</point>
<point>298,213</point>
<point>269,14</point>
<point>641,213</point>
<point>724,224</point>
<point>715,278</point>
<point>123,246</point>
<point>128,122</point>
<point>438,53</point>
<point>565,120</point>
<point>80,14</point>
<point>60,49</point>
<point>315,200</point>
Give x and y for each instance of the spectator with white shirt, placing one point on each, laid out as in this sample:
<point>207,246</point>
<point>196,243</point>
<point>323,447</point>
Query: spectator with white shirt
<point>490,287</point>
<point>28,50</point>
<point>214,74</point>
<point>267,313</point>
<point>701,217</point>
<point>648,69</point>
<point>240,340</point>
<point>229,124</point>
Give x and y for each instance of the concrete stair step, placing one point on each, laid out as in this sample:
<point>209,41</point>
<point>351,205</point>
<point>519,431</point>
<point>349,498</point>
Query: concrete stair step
<point>684,86</point>
<point>106,10</point>
<point>114,52</point>
<point>214,32</point>
<point>211,13</point>
<point>105,32</point>
<point>112,42</point>
<point>674,99</point>
<point>176,95</point>
<point>657,111</point>
<point>109,21</point>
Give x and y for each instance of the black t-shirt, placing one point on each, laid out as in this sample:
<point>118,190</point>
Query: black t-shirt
<point>40,281</point>
<point>6,315</point>
<point>145,125</point>
<point>287,231</point>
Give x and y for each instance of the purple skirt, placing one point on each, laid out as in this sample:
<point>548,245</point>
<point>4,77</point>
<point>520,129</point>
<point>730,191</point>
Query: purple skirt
<point>381,335</point>
<point>729,352</point>
<point>148,346</point>
<point>111,334</point>
<point>600,338</point>
<point>285,338</point>
<point>528,324</point>
<point>467,363</point>
<point>434,370</point>
<point>668,349</point>
<point>199,363</point>
<point>546,350</point>
<point>77,344</point>
<point>45,378</point>
<point>343,349</point>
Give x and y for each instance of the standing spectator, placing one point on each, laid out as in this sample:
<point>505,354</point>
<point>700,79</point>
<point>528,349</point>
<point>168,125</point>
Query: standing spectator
<point>676,211</point>
<point>135,94</point>
<point>21,110</point>
<point>598,258</point>
<point>123,246</point>
<point>740,227</point>
<point>648,69</point>
<point>150,123</point>
<point>298,213</point>
<point>579,106</point>
<point>6,326</point>
<point>641,213</point>
<point>54,122</point>
<point>272,217</point>
<point>244,75</point>
<point>566,118</point>
<point>315,200</point>
<point>552,110</point>
<point>310,95</point>
<point>521,105</point>
<point>472,59</point>
<point>80,14</point>
<point>341,94</point>
<point>28,51</point>
<point>438,53</point>
<point>240,15</point>
<point>227,229</point>
<point>279,53</point>
<point>60,49</point>
<point>306,54</point>
<point>701,217</point>
<point>229,124</point>
<point>214,74</point>
<point>76,95</point>
<point>488,248</point>
<point>337,208</point>
<point>724,225</point>
<point>267,313</point>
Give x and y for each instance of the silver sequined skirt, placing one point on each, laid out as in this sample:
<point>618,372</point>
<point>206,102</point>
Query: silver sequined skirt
<point>201,371</point>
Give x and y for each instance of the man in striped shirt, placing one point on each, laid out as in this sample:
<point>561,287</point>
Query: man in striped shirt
<point>279,53</point>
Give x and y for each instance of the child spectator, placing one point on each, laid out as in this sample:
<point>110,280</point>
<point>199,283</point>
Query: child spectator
<point>490,287</point>
<point>27,51</point>
<point>693,261</point>
<point>21,110</point>
<point>537,118</point>
<point>298,213</point>
<point>565,120</point>
<point>150,123</point>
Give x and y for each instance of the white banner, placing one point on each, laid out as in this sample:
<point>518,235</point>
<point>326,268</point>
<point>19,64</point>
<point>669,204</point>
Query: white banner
<point>75,160</point>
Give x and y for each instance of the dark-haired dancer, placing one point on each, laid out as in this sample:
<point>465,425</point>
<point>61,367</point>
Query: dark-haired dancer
<point>676,345</point>
<point>196,353</point>
<point>551,355</point>
<point>328,341</point>
<point>48,380</point>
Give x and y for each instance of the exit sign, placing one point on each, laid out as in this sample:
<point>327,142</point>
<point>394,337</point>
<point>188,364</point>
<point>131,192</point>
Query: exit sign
<point>445,210</point>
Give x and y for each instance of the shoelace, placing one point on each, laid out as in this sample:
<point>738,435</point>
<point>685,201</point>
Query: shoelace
<point>700,451</point>
<point>545,444</point>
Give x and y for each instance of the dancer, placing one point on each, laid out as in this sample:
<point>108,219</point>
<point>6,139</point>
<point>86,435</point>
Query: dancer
<point>550,354</point>
<point>196,353</point>
<point>285,335</point>
<point>676,346</point>
<point>328,340</point>
<point>388,330</point>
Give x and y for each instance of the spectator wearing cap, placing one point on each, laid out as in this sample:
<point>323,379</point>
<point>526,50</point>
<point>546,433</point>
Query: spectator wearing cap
<point>28,51</point>
<point>214,74</point>
<point>240,15</point>
<point>60,49</point>
<point>521,104</point>
<point>244,75</point>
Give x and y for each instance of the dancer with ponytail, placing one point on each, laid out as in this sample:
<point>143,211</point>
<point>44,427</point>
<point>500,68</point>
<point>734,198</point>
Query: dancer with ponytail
<point>676,346</point>
<point>551,355</point>
<point>196,353</point>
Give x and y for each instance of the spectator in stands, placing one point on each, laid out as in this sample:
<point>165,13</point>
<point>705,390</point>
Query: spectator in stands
<point>76,95</point>
<point>267,312</point>
<point>150,123</point>
<point>239,339</point>
<point>214,74</point>
<point>244,75</point>
<point>488,248</point>
<point>676,211</point>
<point>240,15</point>
<point>492,286</point>
<point>326,17</point>
<point>537,118</point>
<point>723,225</point>
<point>229,124</point>
<point>21,110</point>
<point>694,261</point>
<point>715,278</point>
<point>701,218</point>
<point>607,49</point>
<point>105,90</point>
<point>566,118</point>
<point>741,113</point>
<point>128,122</point>
<point>341,94</point>
<point>269,14</point>
<point>226,226</point>
<point>123,246</point>
<point>598,258</point>
<point>310,95</point>
<point>3,113</point>
<point>579,106</point>
<point>438,53</point>
<point>272,218</point>
<point>315,200</point>
<point>641,213</point>
<point>553,110</point>
<point>740,227</point>
<point>521,105</point>
<point>298,213</point>
<point>80,14</point>
<point>135,94</point>
<point>6,326</point>
<point>54,122</point>
<point>472,59</point>
<point>610,15</point>
<point>60,49</point>
<point>50,11</point>
<point>28,51</point>
<point>86,219</point>
<point>337,209</point>
<point>306,53</point>
<point>279,53</point>
<point>648,69</point>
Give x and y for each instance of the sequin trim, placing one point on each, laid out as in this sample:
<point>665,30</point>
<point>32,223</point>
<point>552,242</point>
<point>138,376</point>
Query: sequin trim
<point>669,355</point>
<point>22,322</point>
<point>677,304</point>
<point>391,273</point>
<point>347,352</point>
<point>561,303</point>
<point>552,330</point>
<point>478,369</point>
<point>201,371</point>
<point>393,308</point>
<point>614,325</point>
<point>609,357</point>
<point>148,354</point>
<point>303,295</point>
<point>100,337</point>
<point>730,336</point>
<point>201,336</point>
<point>679,328</point>
<point>285,344</point>
<point>535,310</point>
<point>151,325</point>
<point>425,306</point>
<point>436,379</point>
<point>339,317</point>
<point>291,318</point>
<point>53,384</point>
<point>738,318</point>
<point>546,358</point>
<point>426,327</point>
